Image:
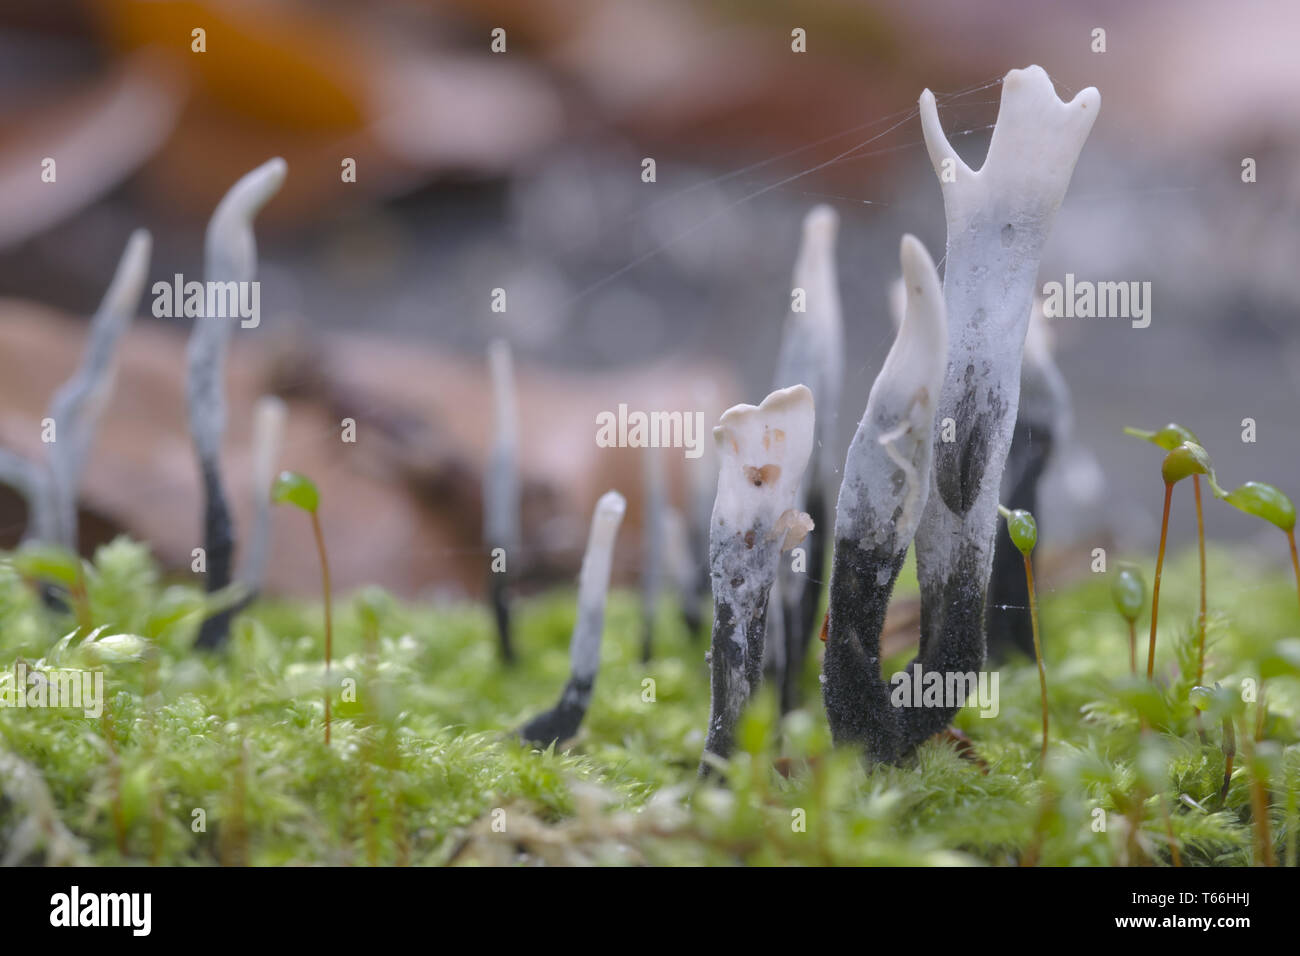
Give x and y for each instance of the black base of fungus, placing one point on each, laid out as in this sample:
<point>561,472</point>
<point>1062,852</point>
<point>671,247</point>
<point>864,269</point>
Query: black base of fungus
<point>856,696</point>
<point>727,656</point>
<point>953,644</point>
<point>219,538</point>
<point>562,721</point>
<point>498,589</point>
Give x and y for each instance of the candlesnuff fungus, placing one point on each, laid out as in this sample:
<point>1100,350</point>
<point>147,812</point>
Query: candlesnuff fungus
<point>1129,592</point>
<point>50,489</point>
<point>1169,438</point>
<point>501,501</point>
<point>1023,531</point>
<point>77,405</point>
<point>998,219</point>
<point>812,353</point>
<point>562,721</point>
<point>230,255</point>
<point>300,491</point>
<point>1042,423</point>
<point>762,453</point>
<point>1187,458</point>
<point>882,497</point>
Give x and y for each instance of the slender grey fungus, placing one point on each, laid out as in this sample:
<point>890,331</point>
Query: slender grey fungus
<point>50,489</point>
<point>561,722</point>
<point>501,494</point>
<point>998,219</point>
<point>230,256</point>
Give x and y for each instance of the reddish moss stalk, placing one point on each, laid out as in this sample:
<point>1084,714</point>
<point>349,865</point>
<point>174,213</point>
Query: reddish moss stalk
<point>1174,855</point>
<point>1155,591</point>
<point>1259,811</point>
<point>1200,545</point>
<point>1038,649</point>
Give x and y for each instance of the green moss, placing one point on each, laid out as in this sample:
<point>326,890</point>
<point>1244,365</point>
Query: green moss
<point>423,768</point>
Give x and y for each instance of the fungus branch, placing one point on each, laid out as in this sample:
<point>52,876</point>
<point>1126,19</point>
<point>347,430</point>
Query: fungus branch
<point>78,404</point>
<point>998,219</point>
<point>231,256</point>
<point>881,500</point>
<point>562,721</point>
<point>762,451</point>
<point>812,353</point>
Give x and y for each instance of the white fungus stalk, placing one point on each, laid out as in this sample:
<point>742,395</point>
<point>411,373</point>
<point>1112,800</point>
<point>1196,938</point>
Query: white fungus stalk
<point>762,452</point>
<point>230,254</point>
<point>1042,424</point>
<point>882,498</point>
<point>812,353</point>
<point>562,721</point>
<point>269,415</point>
<point>501,495</point>
<point>998,219</point>
<point>79,402</point>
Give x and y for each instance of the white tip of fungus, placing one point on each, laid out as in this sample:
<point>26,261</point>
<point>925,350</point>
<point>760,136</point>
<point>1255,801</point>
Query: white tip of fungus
<point>814,272</point>
<point>593,584</point>
<point>820,227</point>
<point>231,248</point>
<point>610,509</point>
<point>948,166</point>
<point>812,343</point>
<point>919,355</point>
<point>123,295</point>
<point>1035,125</point>
<point>1035,142</point>
<point>899,418</point>
<point>593,581</point>
<point>763,451</point>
